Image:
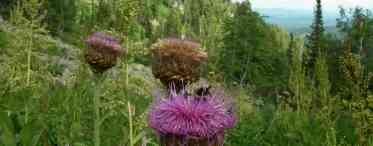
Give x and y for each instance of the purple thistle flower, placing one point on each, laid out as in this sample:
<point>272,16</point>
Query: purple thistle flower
<point>197,117</point>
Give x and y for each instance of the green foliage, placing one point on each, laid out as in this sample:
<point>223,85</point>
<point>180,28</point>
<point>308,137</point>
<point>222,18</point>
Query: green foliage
<point>194,10</point>
<point>6,7</point>
<point>355,92</point>
<point>154,14</point>
<point>268,126</point>
<point>61,15</point>
<point>290,51</point>
<point>355,25</point>
<point>46,93</point>
<point>8,138</point>
<point>3,42</point>
<point>297,82</point>
<point>333,53</point>
<point>28,12</point>
<point>67,110</point>
<point>173,26</point>
<point>352,71</point>
<point>249,55</point>
<point>29,135</point>
<point>115,14</point>
<point>316,40</point>
<point>322,82</point>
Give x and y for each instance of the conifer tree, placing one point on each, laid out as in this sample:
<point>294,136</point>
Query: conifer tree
<point>297,82</point>
<point>352,71</point>
<point>244,39</point>
<point>355,90</point>
<point>315,39</point>
<point>290,51</point>
<point>322,81</point>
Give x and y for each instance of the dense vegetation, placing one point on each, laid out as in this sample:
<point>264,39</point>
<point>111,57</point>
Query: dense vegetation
<point>289,89</point>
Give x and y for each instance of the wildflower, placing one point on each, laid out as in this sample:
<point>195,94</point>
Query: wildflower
<point>191,120</point>
<point>177,61</point>
<point>103,51</point>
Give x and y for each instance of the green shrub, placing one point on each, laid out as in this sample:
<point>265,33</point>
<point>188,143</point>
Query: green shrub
<point>270,127</point>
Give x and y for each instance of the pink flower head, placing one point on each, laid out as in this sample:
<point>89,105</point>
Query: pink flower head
<point>191,116</point>
<point>104,43</point>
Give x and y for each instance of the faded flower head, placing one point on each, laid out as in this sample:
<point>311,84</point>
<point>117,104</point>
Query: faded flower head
<point>103,51</point>
<point>192,117</point>
<point>177,61</point>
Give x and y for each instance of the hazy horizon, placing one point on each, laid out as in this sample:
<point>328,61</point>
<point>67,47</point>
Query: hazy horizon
<point>328,5</point>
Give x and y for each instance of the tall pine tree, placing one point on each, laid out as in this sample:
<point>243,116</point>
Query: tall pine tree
<point>243,41</point>
<point>315,39</point>
<point>290,51</point>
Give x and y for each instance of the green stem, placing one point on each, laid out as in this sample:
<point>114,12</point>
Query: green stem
<point>26,112</point>
<point>28,66</point>
<point>130,123</point>
<point>98,78</point>
<point>96,103</point>
<point>28,74</point>
<point>92,13</point>
<point>126,64</point>
<point>29,57</point>
<point>127,78</point>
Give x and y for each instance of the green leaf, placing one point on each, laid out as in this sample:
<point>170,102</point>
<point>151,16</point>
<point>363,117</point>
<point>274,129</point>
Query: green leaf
<point>138,137</point>
<point>7,136</point>
<point>31,133</point>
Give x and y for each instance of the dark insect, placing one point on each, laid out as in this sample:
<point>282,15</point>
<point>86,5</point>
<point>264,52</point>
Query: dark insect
<point>203,91</point>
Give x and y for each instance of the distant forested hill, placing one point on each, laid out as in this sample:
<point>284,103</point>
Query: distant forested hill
<point>297,21</point>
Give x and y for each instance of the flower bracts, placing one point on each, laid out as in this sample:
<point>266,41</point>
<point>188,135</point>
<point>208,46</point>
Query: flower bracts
<point>177,61</point>
<point>103,51</point>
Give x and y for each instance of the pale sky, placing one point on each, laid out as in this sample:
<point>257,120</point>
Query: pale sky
<point>309,4</point>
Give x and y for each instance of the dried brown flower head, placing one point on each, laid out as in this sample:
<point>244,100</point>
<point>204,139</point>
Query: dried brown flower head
<point>177,61</point>
<point>103,51</point>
